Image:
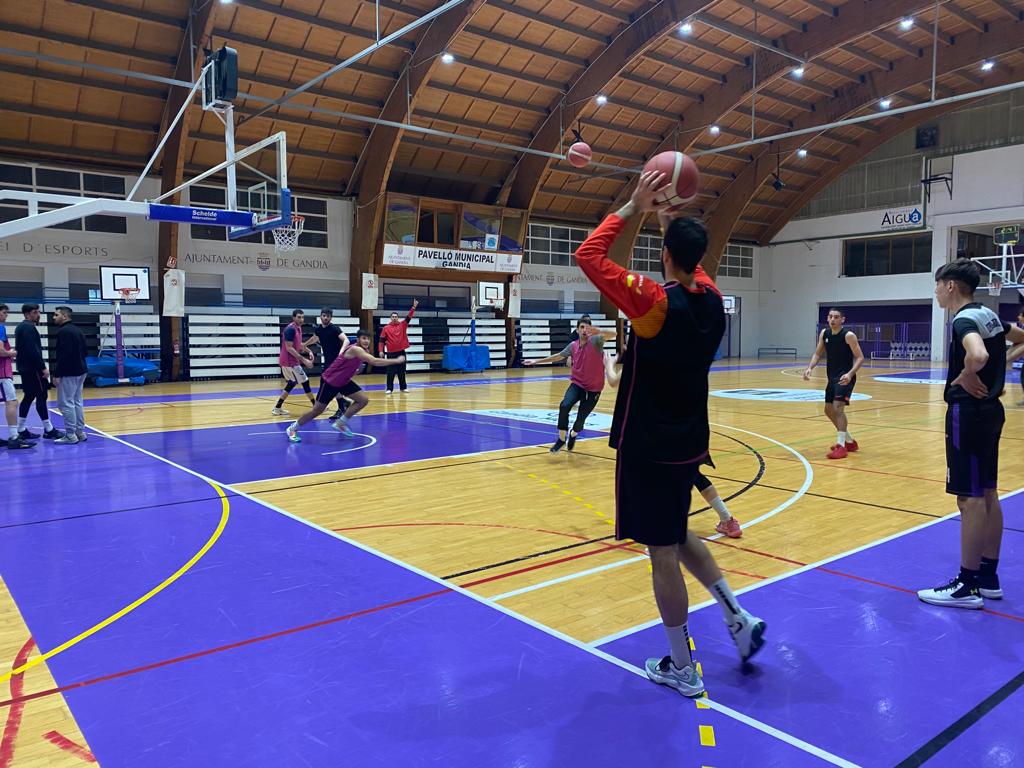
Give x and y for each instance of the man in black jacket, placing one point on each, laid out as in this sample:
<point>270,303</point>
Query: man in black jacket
<point>69,376</point>
<point>35,378</point>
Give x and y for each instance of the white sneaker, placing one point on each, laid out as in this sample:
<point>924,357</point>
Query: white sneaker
<point>279,412</point>
<point>956,594</point>
<point>66,440</point>
<point>748,633</point>
<point>293,436</point>
<point>389,393</point>
<point>685,680</point>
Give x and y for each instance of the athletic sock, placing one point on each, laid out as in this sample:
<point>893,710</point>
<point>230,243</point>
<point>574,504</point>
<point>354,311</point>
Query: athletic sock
<point>280,402</point>
<point>841,439</point>
<point>989,566</point>
<point>48,425</point>
<point>719,506</point>
<point>968,577</point>
<point>12,432</point>
<point>721,592</point>
<point>294,426</point>
<point>849,437</point>
<point>561,435</point>
<point>21,423</point>
<point>679,640</point>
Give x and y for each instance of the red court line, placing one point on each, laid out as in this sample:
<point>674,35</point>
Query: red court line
<point>466,525</point>
<point>69,746</point>
<point>547,564</point>
<point>13,724</point>
<point>15,700</point>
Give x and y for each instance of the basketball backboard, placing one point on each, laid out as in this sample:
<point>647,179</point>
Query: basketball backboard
<point>114,279</point>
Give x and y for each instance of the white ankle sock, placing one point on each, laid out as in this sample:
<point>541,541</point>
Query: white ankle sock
<point>21,423</point>
<point>841,439</point>
<point>294,427</point>
<point>679,640</point>
<point>721,592</point>
<point>12,432</point>
<point>719,506</point>
<point>48,425</point>
<point>849,437</point>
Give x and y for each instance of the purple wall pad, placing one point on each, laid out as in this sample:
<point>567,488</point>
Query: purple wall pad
<point>443,680</point>
<point>240,454</point>
<point>842,651</point>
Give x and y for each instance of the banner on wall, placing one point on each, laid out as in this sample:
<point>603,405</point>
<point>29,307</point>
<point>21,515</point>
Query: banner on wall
<point>515,297</point>
<point>174,293</point>
<point>901,218</point>
<point>423,257</point>
<point>370,287</point>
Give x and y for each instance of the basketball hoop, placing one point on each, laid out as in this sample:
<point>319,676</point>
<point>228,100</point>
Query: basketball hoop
<point>128,295</point>
<point>286,238</point>
<point>995,284</point>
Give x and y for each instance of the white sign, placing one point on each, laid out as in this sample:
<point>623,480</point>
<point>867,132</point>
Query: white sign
<point>901,218</point>
<point>540,276</point>
<point>447,258</point>
<point>779,395</point>
<point>174,293</point>
<point>729,304</point>
<point>596,420</point>
<point>371,286</point>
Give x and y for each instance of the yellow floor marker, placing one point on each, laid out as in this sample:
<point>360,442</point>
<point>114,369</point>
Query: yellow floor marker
<point>707,736</point>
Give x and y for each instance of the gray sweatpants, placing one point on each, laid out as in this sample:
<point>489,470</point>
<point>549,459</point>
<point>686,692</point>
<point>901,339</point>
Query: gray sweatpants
<point>69,400</point>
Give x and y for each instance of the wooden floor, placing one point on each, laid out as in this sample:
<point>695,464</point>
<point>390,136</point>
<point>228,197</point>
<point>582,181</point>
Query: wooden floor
<point>535,530</point>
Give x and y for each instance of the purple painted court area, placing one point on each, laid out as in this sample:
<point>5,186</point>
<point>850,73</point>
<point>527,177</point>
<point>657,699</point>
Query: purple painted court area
<point>286,646</point>
<point>857,665</point>
<point>262,452</point>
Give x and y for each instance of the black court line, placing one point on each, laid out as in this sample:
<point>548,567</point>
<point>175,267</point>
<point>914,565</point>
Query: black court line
<point>522,558</point>
<point>230,494</point>
<point>945,737</point>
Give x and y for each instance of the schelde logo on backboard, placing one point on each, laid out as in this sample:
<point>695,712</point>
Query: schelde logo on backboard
<point>901,218</point>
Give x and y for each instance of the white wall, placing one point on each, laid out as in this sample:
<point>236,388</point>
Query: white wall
<point>801,268</point>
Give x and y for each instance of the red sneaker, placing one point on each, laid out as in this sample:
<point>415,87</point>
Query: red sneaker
<point>837,452</point>
<point>730,528</point>
<point>851,446</point>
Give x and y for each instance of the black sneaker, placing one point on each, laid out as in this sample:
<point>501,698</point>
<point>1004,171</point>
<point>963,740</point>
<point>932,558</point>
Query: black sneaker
<point>26,435</point>
<point>988,587</point>
<point>16,443</point>
<point>53,434</point>
<point>955,594</point>
<point>557,446</point>
<point>333,417</point>
<point>571,443</point>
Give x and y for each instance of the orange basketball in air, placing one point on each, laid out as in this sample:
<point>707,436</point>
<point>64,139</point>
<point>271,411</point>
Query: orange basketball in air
<point>683,178</point>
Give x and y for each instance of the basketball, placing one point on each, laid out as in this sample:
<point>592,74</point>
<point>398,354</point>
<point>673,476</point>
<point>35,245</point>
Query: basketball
<point>683,178</point>
<point>579,154</point>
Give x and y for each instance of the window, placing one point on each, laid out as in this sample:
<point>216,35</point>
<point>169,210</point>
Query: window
<point>400,224</point>
<point>512,232</point>
<point>477,223</point>
<point>897,255</point>
<point>647,253</point>
<point>312,209</point>
<point>436,225</point>
<point>737,261</point>
<point>63,182</point>
<point>554,244</point>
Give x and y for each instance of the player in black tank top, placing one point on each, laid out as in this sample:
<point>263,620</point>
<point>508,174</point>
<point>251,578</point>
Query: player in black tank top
<point>843,359</point>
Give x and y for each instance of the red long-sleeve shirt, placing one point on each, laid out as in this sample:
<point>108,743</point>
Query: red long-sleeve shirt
<point>395,336</point>
<point>641,299</point>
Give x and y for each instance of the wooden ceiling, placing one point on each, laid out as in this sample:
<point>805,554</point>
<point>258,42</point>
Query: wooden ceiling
<point>525,72</point>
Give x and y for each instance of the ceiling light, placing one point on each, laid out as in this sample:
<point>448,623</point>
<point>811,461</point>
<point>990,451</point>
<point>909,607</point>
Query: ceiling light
<point>906,23</point>
<point>885,103</point>
<point>987,66</point>
<point>798,72</point>
<point>715,130</point>
<point>602,100</point>
<point>447,58</point>
<point>685,28</point>
<point>801,153</point>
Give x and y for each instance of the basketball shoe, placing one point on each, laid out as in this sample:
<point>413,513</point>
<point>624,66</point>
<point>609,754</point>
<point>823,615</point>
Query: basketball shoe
<point>685,680</point>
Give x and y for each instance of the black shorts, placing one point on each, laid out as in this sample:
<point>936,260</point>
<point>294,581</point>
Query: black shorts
<point>836,391</point>
<point>652,501</point>
<point>328,393</point>
<point>972,447</point>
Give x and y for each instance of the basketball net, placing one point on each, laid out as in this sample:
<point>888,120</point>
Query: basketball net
<point>286,238</point>
<point>995,284</point>
<point>128,295</point>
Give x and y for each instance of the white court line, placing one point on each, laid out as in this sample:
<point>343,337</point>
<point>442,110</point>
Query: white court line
<point>722,709</point>
<point>808,479</point>
<point>373,441</point>
<point>795,572</point>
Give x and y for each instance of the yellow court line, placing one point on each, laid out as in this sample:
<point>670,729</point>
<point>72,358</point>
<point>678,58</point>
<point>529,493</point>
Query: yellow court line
<point>224,514</point>
<point>707,735</point>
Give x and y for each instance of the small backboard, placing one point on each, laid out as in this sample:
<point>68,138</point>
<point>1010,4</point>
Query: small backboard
<point>491,295</point>
<point>115,280</point>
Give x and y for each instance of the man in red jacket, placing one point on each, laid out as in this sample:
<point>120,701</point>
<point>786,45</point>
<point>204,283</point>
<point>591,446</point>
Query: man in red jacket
<point>394,340</point>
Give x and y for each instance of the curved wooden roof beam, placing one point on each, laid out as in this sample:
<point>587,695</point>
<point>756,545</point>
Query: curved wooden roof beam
<point>971,48</point>
<point>848,157</point>
<point>632,42</point>
<point>824,33</point>
<point>378,155</point>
